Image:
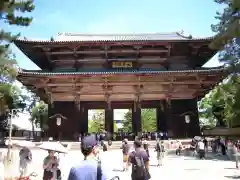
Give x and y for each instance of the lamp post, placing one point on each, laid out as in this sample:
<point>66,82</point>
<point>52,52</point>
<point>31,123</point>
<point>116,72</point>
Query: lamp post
<point>10,133</point>
<point>187,121</point>
<point>58,123</point>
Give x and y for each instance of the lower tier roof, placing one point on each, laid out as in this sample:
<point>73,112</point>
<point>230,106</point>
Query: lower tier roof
<point>122,85</point>
<point>120,72</point>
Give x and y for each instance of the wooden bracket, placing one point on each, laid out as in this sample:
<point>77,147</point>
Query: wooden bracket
<point>169,50</point>
<point>106,51</point>
<point>108,100</point>
<point>168,100</point>
<point>45,81</point>
<point>46,49</point>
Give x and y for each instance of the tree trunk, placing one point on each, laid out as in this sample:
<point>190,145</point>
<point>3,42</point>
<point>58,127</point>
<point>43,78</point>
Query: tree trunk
<point>41,126</point>
<point>33,130</point>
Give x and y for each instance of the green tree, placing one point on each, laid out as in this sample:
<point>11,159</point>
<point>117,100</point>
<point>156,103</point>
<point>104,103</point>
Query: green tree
<point>223,103</point>
<point>127,122</point>
<point>228,26</point>
<point>97,123</point>
<point>11,98</point>
<point>10,11</point>
<point>39,115</point>
<point>148,120</point>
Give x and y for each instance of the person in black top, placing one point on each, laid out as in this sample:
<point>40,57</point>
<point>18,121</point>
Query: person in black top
<point>140,162</point>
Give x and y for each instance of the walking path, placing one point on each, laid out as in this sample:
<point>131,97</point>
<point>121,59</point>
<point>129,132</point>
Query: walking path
<point>175,167</point>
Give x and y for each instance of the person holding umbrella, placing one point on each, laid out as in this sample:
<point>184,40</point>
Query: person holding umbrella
<point>51,162</point>
<point>50,166</point>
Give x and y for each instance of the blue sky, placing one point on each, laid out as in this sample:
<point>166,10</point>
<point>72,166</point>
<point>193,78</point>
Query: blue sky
<point>116,16</point>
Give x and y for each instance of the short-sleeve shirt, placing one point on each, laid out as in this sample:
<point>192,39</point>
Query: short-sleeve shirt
<point>125,149</point>
<point>138,153</point>
<point>87,169</point>
<point>53,164</point>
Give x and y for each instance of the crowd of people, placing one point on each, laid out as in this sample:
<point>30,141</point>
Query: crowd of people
<point>91,167</point>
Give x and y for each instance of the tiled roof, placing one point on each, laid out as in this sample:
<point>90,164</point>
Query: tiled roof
<point>71,37</point>
<point>120,72</point>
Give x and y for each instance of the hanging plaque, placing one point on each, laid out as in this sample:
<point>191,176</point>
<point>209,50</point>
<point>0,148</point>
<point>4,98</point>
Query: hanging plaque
<point>122,64</point>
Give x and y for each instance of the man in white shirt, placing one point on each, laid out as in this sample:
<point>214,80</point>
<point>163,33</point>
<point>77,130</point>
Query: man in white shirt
<point>201,149</point>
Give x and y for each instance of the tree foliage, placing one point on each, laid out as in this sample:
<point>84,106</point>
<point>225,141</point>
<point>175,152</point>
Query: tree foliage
<point>12,14</point>
<point>11,96</point>
<point>97,123</point>
<point>221,105</point>
<point>39,115</point>
<point>228,26</point>
<point>148,121</point>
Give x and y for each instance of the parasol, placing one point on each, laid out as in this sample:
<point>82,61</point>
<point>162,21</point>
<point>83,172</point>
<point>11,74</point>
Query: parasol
<point>197,138</point>
<point>28,144</point>
<point>53,146</point>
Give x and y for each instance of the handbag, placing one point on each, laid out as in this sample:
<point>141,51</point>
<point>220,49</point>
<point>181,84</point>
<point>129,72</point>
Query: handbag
<point>99,171</point>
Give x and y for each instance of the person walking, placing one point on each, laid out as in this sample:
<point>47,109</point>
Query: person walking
<point>125,150</point>
<point>91,167</point>
<point>160,149</point>
<point>25,158</point>
<point>201,149</point>
<point>179,148</point>
<point>236,153</point>
<point>140,162</point>
<point>50,167</point>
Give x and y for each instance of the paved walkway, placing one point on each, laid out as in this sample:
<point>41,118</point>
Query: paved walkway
<point>175,167</point>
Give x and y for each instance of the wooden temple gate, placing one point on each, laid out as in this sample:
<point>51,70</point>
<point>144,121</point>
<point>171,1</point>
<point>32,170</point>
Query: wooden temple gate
<point>82,72</point>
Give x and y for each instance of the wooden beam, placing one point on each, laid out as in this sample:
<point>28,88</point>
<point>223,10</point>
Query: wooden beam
<point>185,91</point>
<point>89,60</point>
<point>126,83</point>
<point>108,51</point>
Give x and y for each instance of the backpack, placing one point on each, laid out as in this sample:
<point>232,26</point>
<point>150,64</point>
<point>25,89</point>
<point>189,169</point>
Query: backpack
<point>104,147</point>
<point>158,148</point>
<point>162,148</point>
<point>139,170</point>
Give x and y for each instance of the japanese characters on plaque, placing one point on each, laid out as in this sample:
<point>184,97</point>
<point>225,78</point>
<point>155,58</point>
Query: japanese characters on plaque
<point>122,64</point>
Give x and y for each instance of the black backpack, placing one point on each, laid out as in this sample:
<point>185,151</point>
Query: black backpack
<point>139,170</point>
<point>158,148</point>
<point>104,147</point>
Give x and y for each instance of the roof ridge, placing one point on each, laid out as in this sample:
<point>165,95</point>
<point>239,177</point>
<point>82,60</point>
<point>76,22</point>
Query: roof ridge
<point>114,34</point>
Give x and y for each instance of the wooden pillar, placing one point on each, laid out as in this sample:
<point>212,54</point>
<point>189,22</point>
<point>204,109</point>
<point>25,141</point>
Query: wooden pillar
<point>136,119</point>
<point>168,117</point>
<point>83,118</point>
<point>109,120</point>
<point>161,118</point>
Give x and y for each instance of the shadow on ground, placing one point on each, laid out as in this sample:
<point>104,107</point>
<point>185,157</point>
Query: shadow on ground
<point>209,156</point>
<point>232,177</point>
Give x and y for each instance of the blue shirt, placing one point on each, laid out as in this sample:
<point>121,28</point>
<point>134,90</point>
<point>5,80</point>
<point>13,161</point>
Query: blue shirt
<point>87,170</point>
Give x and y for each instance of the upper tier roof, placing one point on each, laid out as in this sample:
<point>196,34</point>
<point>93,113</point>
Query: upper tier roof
<point>77,37</point>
